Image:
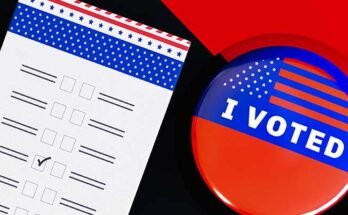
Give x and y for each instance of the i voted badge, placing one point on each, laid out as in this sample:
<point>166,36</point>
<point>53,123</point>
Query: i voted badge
<point>270,134</point>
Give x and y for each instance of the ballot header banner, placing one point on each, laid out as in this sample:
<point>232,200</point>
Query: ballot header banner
<point>73,27</point>
<point>278,111</point>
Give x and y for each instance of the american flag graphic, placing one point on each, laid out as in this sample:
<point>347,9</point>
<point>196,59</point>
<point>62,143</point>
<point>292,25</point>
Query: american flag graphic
<point>296,86</point>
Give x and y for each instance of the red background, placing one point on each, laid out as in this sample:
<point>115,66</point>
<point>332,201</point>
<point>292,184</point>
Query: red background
<point>220,24</point>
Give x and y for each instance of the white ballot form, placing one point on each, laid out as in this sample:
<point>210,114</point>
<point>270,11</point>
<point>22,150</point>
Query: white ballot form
<point>83,94</point>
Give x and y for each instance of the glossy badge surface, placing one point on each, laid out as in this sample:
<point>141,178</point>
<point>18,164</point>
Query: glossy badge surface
<point>270,133</point>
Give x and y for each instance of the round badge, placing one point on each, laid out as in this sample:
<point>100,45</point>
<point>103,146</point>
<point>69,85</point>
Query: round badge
<point>270,135</point>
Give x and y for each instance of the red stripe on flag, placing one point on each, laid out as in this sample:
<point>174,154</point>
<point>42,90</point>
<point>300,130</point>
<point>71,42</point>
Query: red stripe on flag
<point>313,84</point>
<point>120,24</point>
<point>309,113</point>
<point>308,68</point>
<point>312,99</point>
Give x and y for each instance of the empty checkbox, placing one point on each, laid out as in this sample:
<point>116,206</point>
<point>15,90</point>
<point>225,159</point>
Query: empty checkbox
<point>68,84</point>
<point>35,165</point>
<point>67,144</point>
<point>21,211</point>
<point>48,196</point>
<point>29,189</point>
<point>77,117</point>
<point>58,170</point>
<point>48,137</point>
<point>86,91</point>
<point>58,110</point>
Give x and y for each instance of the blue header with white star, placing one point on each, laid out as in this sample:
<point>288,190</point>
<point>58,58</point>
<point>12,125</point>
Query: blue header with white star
<point>96,46</point>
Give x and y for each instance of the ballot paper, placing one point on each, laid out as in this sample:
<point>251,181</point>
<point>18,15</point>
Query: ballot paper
<point>83,93</point>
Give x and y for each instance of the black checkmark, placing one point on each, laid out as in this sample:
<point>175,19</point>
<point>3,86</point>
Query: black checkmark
<point>43,161</point>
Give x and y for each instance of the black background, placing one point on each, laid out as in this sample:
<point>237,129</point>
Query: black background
<point>171,182</point>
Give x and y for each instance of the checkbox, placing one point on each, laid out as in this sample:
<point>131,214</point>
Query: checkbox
<point>48,137</point>
<point>58,170</point>
<point>21,211</point>
<point>77,117</point>
<point>67,144</point>
<point>35,164</point>
<point>87,91</point>
<point>48,196</point>
<point>29,189</point>
<point>58,110</point>
<point>68,84</point>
